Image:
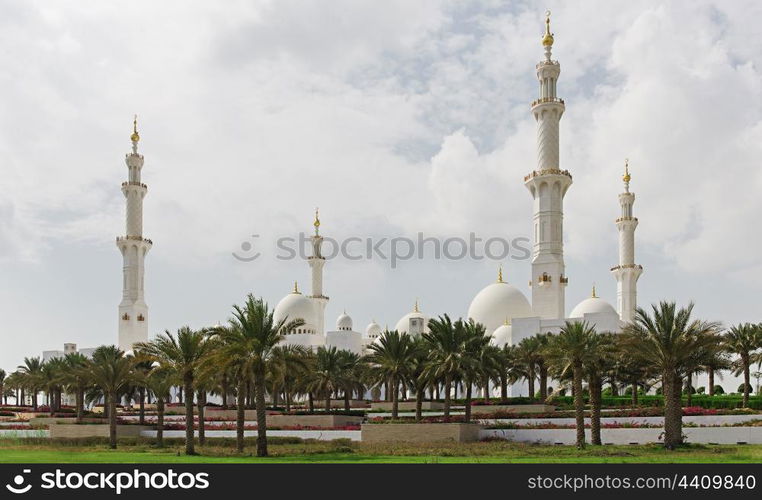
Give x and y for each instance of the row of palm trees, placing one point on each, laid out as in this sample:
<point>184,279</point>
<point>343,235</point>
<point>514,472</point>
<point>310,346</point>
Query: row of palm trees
<point>247,359</point>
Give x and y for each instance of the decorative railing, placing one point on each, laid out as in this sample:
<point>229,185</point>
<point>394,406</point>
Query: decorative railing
<point>547,171</point>
<point>622,219</point>
<point>134,184</point>
<point>543,100</point>
<point>627,266</point>
<point>134,238</point>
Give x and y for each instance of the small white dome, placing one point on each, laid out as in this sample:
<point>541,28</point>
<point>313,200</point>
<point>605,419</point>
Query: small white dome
<point>502,336</point>
<point>497,303</point>
<point>296,306</point>
<point>592,305</point>
<point>344,323</point>
<point>373,330</point>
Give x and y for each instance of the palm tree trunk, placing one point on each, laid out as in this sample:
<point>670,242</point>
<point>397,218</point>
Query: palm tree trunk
<point>160,422</point>
<point>201,430</point>
<point>346,401</point>
<point>689,386</point>
<point>468,402</point>
<point>190,448</point>
<point>672,411</point>
<point>503,388</point>
<point>579,405</point>
<point>80,402</point>
<point>596,386</point>
<point>288,400</point>
<point>395,397</point>
<point>310,402</point>
<point>328,402</point>
<point>225,390</point>
<point>543,382</point>
<point>634,394</point>
<point>530,381</point>
<point>261,413</point>
<point>746,380</point>
<point>142,412</point>
<point>447,398</point>
<point>112,421</point>
<point>419,395</point>
<point>710,372</point>
<point>240,415</point>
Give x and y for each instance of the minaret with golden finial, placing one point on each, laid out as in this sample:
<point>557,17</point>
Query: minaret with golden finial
<point>548,185</point>
<point>627,272</point>
<point>317,262</point>
<point>133,311</point>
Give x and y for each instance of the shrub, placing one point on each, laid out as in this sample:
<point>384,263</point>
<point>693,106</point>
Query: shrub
<point>718,390</point>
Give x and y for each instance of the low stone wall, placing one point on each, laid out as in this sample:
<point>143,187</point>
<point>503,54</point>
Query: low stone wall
<point>229,414</point>
<point>420,433</point>
<point>313,420</point>
<point>43,421</point>
<point>407,405</point>
<point>486,409</point>
<point>94,430</point>
<point>339,403</point>
<point>699,435</point>
<point>320,435</point>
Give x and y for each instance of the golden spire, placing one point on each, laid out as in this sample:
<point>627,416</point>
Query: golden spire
<point>500,274</point>
<point>594,296</point>
<point>317,221</point>
<point>506,321</point>
<point>135,137</point>
<point>296,288</point>
<point>415,307</point>
<point>547,40</point>
<point>626,177</point>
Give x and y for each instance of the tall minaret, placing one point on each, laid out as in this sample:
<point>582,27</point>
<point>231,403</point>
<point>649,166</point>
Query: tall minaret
<point>133,311</point>
<point>548,185</point>
<point>627,272</point>
<point>317,261</point>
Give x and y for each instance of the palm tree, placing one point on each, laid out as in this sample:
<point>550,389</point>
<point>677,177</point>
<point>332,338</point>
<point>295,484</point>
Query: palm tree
<point>325,379</point>
<point>743,340</point>
<point>160,381</point>
<point>476,363</point>
<point>288,363</point>
<point>445,343</point>
<point>418,377</point>
<point>529,354</point>
<point>714,364</point>
<point>248,346</point>
<point>568,351</point>
<point>598,361</point>
<point>667,340</point>
<point>391,357</point>
<point>184,353</point>
<point>111,371</point>
<point>349,378</point>
<point>32,377</point>
<point>76,378</point>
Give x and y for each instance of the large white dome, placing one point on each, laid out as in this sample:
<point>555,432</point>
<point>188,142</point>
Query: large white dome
<point>502,336</point>
<point>416,318</point>
<point>498,303</point>
<point>296,306</point>
<point>344,322</point>
<point>592,305</point>
<point>373,330</point>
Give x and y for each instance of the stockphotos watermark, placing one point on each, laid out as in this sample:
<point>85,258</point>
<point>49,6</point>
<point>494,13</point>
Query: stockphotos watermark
<point>393,250</point>
<point>115,482</point>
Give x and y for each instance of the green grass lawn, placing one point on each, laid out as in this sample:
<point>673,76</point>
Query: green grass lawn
<point>348,452</point>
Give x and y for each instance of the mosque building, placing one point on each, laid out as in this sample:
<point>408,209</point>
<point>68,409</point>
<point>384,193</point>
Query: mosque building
<point>507,314</point>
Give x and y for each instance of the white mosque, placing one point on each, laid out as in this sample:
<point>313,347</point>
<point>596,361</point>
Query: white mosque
<point>502,308</point>
<point>508,315</point>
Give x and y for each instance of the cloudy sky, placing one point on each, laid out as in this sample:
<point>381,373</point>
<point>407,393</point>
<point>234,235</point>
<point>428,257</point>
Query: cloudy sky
<point>393,117</point>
